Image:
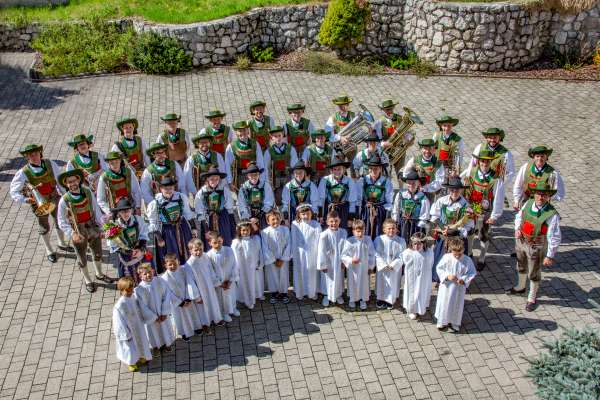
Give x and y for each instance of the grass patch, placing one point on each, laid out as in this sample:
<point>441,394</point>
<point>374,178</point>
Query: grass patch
<point>166,11</point>
<point>411,62</point>
<point>242,62</point>
<point>329,63</point>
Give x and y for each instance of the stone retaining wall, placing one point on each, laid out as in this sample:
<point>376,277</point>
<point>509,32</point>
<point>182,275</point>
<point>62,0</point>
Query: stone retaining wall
<point>454,36</point>
<point>32,3</point>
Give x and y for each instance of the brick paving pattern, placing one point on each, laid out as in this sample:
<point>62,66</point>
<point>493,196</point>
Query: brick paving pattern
<point>56,339</point>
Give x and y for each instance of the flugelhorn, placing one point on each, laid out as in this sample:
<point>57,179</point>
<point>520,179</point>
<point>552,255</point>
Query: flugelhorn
<point>42,205</point>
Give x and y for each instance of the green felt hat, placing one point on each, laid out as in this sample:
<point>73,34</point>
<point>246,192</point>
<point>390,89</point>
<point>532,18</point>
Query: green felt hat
<point>340,100</point>
<point>320,132</point>
<point>128,120</point>
<point>80,138</point>
<point>74,172</point>
<point>113,155</point>
<point>428,142</point>
<point>275,129</point>
<point>241,125</point>
<point>215,114</point>
<point>539,150</point>
<point>295,107</point>
<point>171,117</point>
<point>485,154</point>
<point>154,147</point>
<point>30,148</point>
<point>494,132</point>
<point>542,186</point>
<point>446,119</point>
<point>388,103</point>
<point>199,137</point>
<point>256,103</point>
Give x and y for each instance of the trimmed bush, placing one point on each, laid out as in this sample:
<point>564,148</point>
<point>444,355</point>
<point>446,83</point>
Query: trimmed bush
<point>345,23</point>
<point>262,54</point>
<point>155,54</point>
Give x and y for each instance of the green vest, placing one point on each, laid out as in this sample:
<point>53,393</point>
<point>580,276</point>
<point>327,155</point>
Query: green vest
<point>319,160</point>
<point>445,149</point>
<point>481,190</point>
<point>411,207</point>
<point>202,164</point>
<point>254,195</point>
<point>498,164</point>
<point>219,138</point>
<point>131,233</point>
<point>159,172</point>
<point>340,122</point>
<point>134,155</point>
<point>170,211</point>
<point>426,168</point>
<point>177,146</point>
<point>450,217</point>
<point>213,200</point>
<point>280,161</point>
<point>298,137</point>
<point>45,181</point>
<point>298,194</point>
<point>532,177</point>
<point>91,167</point>
<point>336,193</point>
<point>82,208</point>
<point>118,185</point>
<point>387,128</point>
<point>533,224</point>
<point>374,192</point>
<point>261,135</point>
<point>244,154</point>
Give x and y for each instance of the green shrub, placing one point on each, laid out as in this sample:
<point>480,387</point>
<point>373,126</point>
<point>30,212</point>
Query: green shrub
<point>156,54</point>
<point>403,62</point>
<point>327,63</point>
<point>92,46</point>
<point>570,368</point>
<point>424,68</point>
<point>345,22</point>
<point>242,62</point>
<point>262,54</point>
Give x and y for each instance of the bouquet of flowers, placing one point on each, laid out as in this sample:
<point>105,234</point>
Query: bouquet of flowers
<point>113,232</point>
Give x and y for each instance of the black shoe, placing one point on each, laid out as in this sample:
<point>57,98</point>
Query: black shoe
<point>380,304</point>
<point>513,255</point>
<point>530,306</point>
<point>68,249</point>
<point>443,328</point>
<point>105,279</point>
<point>285,299</point>
<point>185,338</point>
<point>453,329</point>
<point>273,299</point>
<point>389,306</point>
<point>198,331</point>
<point>52,257</point>
<point>90,287</point>
<point>168,348</point>
<point>480,266</point>
<point>512,290</point>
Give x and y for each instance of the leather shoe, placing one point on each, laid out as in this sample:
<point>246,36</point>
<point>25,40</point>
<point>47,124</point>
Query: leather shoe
<point>512,290</point>
<point>90,287</point>
<point>530,306</point>
<point>52,258</point>
<point>480,266</point>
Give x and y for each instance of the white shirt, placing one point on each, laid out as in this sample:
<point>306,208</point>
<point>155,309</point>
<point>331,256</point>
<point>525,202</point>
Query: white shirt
<point>200,205</point>
<point>553,236</point>
<point>509,162</point>
<point>230,159</point>
<point>102,195</point>
<point>435,184</point>
<point>423,213</point>
<point>388,196</point>
<point>351,196</point>
<point>280,149</point>
<point>188,170</point>
<point>498,201</point>
<point>436,212</point>
<point>63,214</point>
<point>152,212</point>
<point>19,180</point>
<point>146,184</point>
<point>518,188</point>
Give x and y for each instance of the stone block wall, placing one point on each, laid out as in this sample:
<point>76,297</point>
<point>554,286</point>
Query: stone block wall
<point>30,3</point>
<point>454,36</point>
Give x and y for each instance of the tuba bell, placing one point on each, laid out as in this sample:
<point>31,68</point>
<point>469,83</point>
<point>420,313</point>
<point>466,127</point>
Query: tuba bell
<point>42,205</point>
<point>356,131</point>
<point>402,138</point>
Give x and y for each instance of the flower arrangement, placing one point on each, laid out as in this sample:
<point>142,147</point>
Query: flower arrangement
<point>111,230</point>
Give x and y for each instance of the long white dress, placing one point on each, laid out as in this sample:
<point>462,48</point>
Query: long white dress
<point>388,257</point>
<point>200,270</point>
<point>305,246</point>
<point>451,295</point>
<point>276,246</point>
<point>185,319</point>
<point>418,268</point>
<point>128,327</point>
<point>227,270</point>
<point>153,299</point>
<point>358,274</point>
<point>331,244</point>
<point>248,257</point>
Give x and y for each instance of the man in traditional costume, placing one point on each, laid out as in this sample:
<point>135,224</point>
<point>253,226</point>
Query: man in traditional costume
<point>242,151</point>
<point>117,182</point>
<point>201,161</point>
<point>375,194</point>
<point>278,158</point>
<point>255,197</point>
<point>298,128</point>
<point>220,133</point>
<point>131,145</point>
<point>338,192</point>
<point>260,124</point>
<point>411,207</point>
<point>300,190</point>
<point>429,169</point>
<point>90,162</point>
<point>318,155</point>
<point>160,167</point>
<point>449,146</point>
<point>175,138</point>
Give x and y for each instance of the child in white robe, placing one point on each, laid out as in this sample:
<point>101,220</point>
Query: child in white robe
<point>248,257</point>
<point>152,294</point>
<point>388,257</point>
<point>185,317</point>
<point>456,271</point>
<point>276,255</point>
<point>199,269</point>
<point>305,243</point>
<point>358,256</point>
<point>418,266</point>
<point>223,260</point>
<point>259,286</point>
<point>132,344</point>
<point>331,244</point>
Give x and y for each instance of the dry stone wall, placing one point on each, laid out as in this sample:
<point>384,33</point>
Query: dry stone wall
<point>454,36</point>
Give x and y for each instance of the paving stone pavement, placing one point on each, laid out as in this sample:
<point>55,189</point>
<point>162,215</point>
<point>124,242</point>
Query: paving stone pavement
<point>56,340</point>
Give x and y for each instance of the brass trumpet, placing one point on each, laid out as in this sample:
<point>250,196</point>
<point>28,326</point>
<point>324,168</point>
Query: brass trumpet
<point>42,205</point>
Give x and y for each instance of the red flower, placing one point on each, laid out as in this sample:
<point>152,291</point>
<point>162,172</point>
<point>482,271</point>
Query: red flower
<point>148,256</point>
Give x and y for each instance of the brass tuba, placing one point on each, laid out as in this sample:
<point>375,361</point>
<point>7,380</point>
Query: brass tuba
<point>42,205</point>
<point>402,138</point>
<point>356,131</point>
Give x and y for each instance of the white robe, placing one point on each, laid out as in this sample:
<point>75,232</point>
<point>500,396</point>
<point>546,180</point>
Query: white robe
<point>276,246</point>
<point>200,270</point>
<point>358,274</point>
<point>305,245</point>
<point>451,295</point>
<point>248,257</point>
<point>185,319</point>
<point>154,301</point>
<point>329,258</point>
<point>417,280</point>
<point>388,257</point>
<point>227,270</point>
<point>128,327</point>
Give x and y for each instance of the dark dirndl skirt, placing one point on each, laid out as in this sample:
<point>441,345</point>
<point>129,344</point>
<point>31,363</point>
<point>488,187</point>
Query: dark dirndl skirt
<point>376,228</point>
<point>169,234</point>
<point>127,270</point>
<point>408,227</point>
<point>343,210</point>
<point>226,227</point>
<point>260,215</point>
<point>439,249</point>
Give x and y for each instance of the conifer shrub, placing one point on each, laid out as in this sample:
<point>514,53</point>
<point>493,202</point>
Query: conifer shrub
<point>344,23</point>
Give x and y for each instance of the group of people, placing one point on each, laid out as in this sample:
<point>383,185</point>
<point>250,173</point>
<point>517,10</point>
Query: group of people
<point>273,201</point>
